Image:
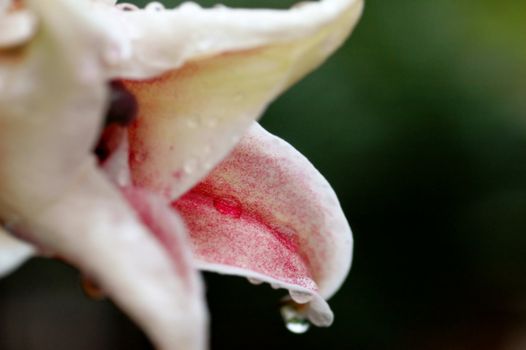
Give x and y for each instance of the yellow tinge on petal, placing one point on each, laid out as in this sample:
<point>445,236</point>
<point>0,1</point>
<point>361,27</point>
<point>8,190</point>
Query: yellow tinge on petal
<point>223,79</point>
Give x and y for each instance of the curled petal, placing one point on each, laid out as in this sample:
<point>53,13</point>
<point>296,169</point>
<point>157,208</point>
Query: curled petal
<point>163,40</point>
<point>93,227</point>
<point>266,213</point>
<point>13,252</point>
<point>224,67</point>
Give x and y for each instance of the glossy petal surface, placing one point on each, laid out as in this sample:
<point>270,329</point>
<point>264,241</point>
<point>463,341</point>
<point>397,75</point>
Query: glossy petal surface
<point>266,213</point>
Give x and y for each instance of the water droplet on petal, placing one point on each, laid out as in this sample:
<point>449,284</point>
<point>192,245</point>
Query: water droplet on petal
<point>154,6</point>
<point>210,123</point>
<point>228,206</point>
<point>255,281</point>
<point>139,157</point>
<point>189,167</point>
<point>189,6</point>
<point>294,320</point>
<point>207,166</point>
<point>91,289</point>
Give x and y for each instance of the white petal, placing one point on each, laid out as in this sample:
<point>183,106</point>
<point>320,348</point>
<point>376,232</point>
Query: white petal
<point>52,100</point>
<point>226,67</point>
<point>164,40</point>
<point>13,252</point>
<point>50,111</point>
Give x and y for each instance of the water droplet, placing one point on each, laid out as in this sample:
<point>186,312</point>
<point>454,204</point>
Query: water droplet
<point>127,7</point>
<point>189,6</point>
<point>91,289</point>
<point>189,167</point>
<point>112,55</point>
<point>294,320</point>
<point>139,157</point>
<point>207,165</point>
<point>255,281</point>
<point>154,6</point>
<point>123,177</point>
<point>210,123</point>
<point>203,45</point>
<point>228,206</point>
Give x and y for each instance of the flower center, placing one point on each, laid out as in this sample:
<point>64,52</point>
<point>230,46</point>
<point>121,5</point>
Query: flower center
<point>121,112</point>
<point>123,105</point>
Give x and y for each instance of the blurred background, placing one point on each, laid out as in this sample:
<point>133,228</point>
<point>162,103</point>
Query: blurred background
<point>419,124</point>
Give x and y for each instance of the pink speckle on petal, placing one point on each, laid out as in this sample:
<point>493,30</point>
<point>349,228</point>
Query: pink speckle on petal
<point>178,174</point>
<point>224,232</point>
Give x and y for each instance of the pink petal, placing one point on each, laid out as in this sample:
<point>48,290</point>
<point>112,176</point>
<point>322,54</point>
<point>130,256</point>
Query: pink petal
<point>266,213</point>
<point>222,67</point>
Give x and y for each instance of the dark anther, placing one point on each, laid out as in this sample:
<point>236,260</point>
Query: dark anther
<point>101,151</point>
<point>121,112</point>
<point>123,105</point>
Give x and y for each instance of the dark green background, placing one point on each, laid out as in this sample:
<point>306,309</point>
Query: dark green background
<point>419,123</point>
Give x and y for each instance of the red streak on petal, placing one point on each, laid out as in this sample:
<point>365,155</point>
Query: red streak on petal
<point>225,232</point>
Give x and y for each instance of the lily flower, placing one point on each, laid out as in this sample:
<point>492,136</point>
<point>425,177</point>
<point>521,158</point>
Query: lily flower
<point>129,148</point>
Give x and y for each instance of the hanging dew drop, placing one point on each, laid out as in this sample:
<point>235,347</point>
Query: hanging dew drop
<point>255,281</point>
<point>154,6</point>
<point>294,320</point>
<point>298,326</point>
